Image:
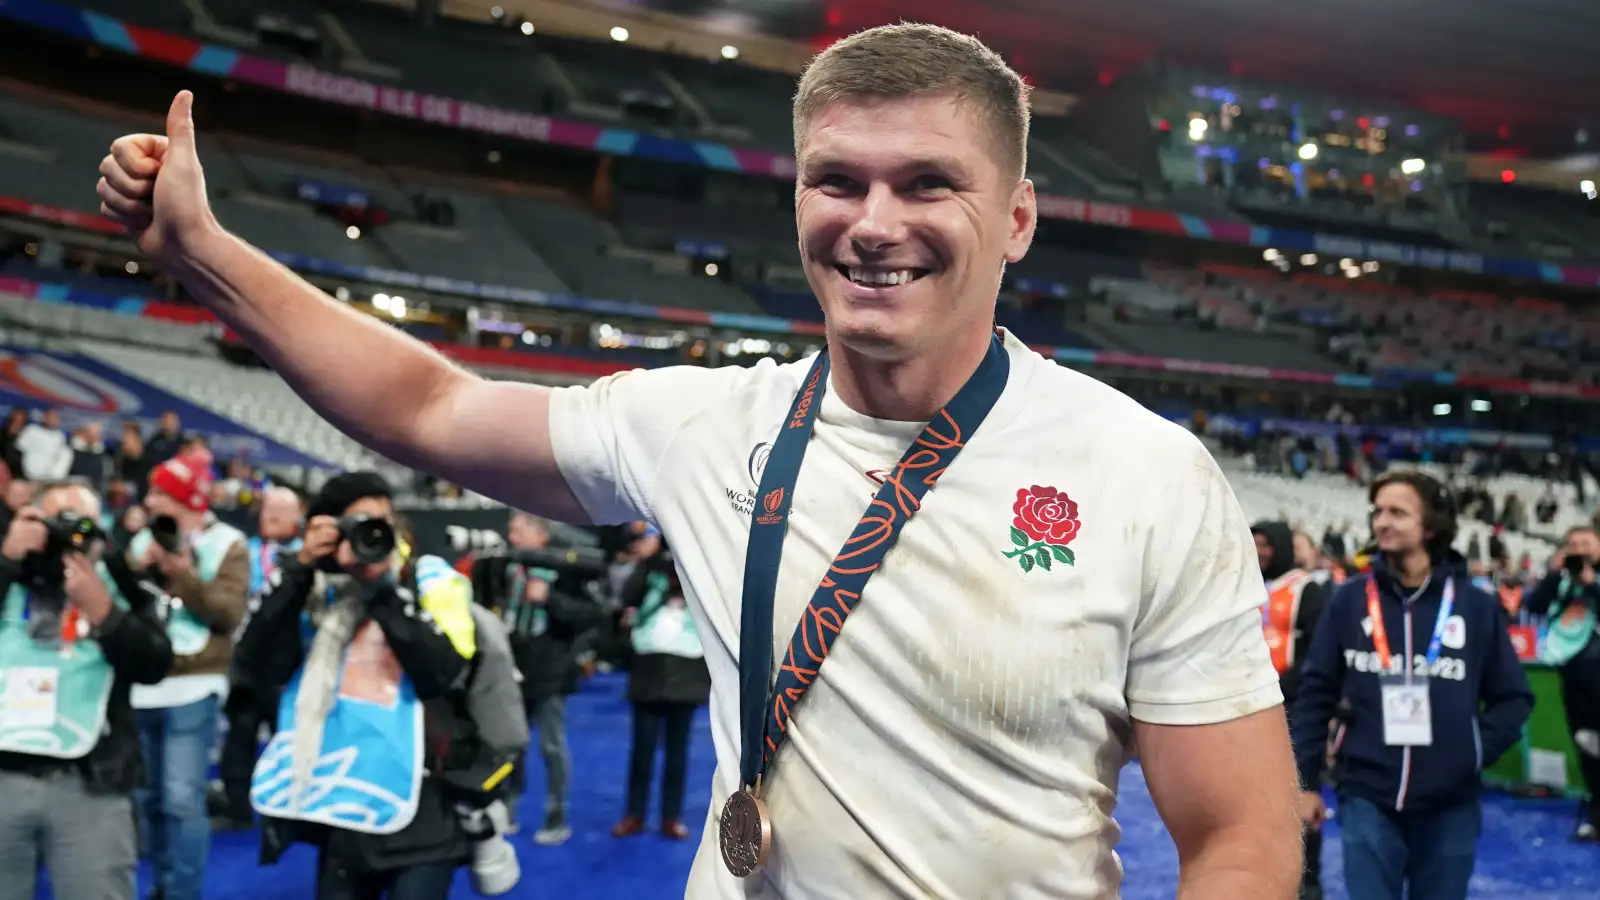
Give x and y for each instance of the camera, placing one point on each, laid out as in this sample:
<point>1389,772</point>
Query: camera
<point>65,532</point>
<point>164,531</point>
<point>1575,564</point>
<point>371,540</point>
<point>583,562</point>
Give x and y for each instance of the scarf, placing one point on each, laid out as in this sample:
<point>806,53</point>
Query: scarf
<point>336,622</point>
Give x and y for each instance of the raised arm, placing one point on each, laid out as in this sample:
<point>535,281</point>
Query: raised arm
<point>385,389</point>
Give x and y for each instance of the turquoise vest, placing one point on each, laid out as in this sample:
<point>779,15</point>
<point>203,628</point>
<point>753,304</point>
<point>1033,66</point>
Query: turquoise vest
<point>82,677</point>
<point>1568,634</point>
<point>522,618</point>
<point>368,774</point>
<point>188,634</point>
<point>660,627</point>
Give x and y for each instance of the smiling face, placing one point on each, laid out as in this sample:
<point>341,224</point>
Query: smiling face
<point>906,221</point>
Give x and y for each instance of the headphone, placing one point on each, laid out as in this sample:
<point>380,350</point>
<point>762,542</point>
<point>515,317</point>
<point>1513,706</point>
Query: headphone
<point>1438,505</point>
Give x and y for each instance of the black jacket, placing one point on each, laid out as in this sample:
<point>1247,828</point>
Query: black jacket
<point>135,643</point>
<point>1478,693</point>
<point>270,652</point>
<point>545,647</point>
<point>1313,600</point>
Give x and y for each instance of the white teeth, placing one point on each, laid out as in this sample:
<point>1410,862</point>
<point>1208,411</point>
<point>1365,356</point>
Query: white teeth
<point>864,276</point>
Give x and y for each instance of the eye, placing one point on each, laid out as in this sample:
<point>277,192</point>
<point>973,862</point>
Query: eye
<point>835,183</point>
<point>924,184</point>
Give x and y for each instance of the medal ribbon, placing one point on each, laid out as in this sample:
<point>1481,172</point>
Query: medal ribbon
<point>765,707</point>
<point>1380,634</point>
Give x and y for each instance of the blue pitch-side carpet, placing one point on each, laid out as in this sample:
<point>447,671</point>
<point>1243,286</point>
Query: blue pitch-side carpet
<point>1525,853</point>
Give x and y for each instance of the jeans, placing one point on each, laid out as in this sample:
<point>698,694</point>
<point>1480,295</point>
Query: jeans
<point>1433,851</point>
<point>172,803</point>
<point>650,720</point>
<point>549,716</point>
<point>429,881</point>
<point>85,840</point>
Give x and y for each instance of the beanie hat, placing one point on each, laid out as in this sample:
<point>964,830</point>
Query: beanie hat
<point>186,478</point>
<point>344,489</point>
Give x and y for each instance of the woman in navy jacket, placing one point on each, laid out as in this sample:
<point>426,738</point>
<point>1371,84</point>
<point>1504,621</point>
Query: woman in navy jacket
<point>1435,693</point>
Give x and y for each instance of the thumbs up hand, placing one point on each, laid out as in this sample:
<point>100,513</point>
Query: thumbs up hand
<point>163,214</point>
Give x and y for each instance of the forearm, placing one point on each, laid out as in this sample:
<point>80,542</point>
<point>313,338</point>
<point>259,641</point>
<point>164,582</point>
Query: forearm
<point>349,367</point>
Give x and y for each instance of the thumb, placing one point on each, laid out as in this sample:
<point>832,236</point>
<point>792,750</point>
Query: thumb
<point>180,123</point>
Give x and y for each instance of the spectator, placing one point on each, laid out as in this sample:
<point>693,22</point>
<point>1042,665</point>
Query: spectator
<point>132,462</point>
<point>167,440</point>
<point>90,460</point>
<point>16,420</point>
<point>46,455</point>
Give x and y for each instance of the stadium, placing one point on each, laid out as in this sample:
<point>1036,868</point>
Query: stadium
<point>1329,246</point>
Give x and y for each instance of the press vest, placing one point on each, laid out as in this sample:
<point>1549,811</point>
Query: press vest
<point>662,627</point>
<point>54,691</point>
<point>188,634</point>
<point>367,775</point>
<point>1279,615</point>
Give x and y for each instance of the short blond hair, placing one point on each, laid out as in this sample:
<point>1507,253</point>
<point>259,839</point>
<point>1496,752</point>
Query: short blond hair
<point>908,60</point>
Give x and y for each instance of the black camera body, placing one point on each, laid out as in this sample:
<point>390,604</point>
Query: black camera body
<point>371,540</point>
<point>65,532</point>
<point>1575,564</point>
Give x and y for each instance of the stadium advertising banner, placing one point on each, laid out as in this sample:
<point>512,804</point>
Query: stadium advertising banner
<point>86,389</point>
<point>328,87</point>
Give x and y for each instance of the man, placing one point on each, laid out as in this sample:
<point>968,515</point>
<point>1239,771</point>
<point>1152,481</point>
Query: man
<point>1295,601</point>
<point>69,746</point>
<point>248,709</point>
<point>1570,596</point>
<point>965,739</point>
<point>203,564</point>
<point>358,644</point>
<point>167,440</point>
<point>46,452</point>
<point>545,618</point>
<point>1435,695</point>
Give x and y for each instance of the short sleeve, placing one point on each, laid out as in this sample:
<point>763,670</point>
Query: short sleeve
<point>1198,655</point>
<point>609,437</point>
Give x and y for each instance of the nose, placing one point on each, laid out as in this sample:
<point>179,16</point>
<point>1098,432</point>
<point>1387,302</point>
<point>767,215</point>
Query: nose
<point>880,220</point>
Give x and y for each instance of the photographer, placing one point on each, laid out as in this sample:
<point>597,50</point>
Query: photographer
<point>203,565</point>
<point>373,653</point>
<point>76,630</point>
<point>546,612</point>
<point>1570,597</point>
<point>667,681</point>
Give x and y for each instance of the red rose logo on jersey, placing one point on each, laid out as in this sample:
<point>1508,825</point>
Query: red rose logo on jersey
<point>1046,522</point>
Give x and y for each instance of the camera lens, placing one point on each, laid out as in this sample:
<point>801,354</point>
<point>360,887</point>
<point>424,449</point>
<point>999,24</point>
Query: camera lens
<point>371,540</point>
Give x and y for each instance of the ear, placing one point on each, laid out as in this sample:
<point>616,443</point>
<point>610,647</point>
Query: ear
<point>1024,221</point>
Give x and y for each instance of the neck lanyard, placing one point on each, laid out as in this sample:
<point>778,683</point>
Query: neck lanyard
<point>1380,634</point>
<point>765,706</point>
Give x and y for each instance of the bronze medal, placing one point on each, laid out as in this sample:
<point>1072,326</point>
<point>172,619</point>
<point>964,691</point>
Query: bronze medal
<point>744,833</point>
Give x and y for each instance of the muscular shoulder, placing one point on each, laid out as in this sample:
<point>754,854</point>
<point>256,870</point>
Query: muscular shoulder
<point>1083,409</point>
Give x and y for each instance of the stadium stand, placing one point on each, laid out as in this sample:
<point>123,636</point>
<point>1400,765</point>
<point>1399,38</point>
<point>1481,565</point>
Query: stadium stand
<point>1209,296</point>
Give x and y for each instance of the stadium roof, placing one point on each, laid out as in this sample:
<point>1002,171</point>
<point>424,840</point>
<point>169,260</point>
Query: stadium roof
<point>1523,76</point>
